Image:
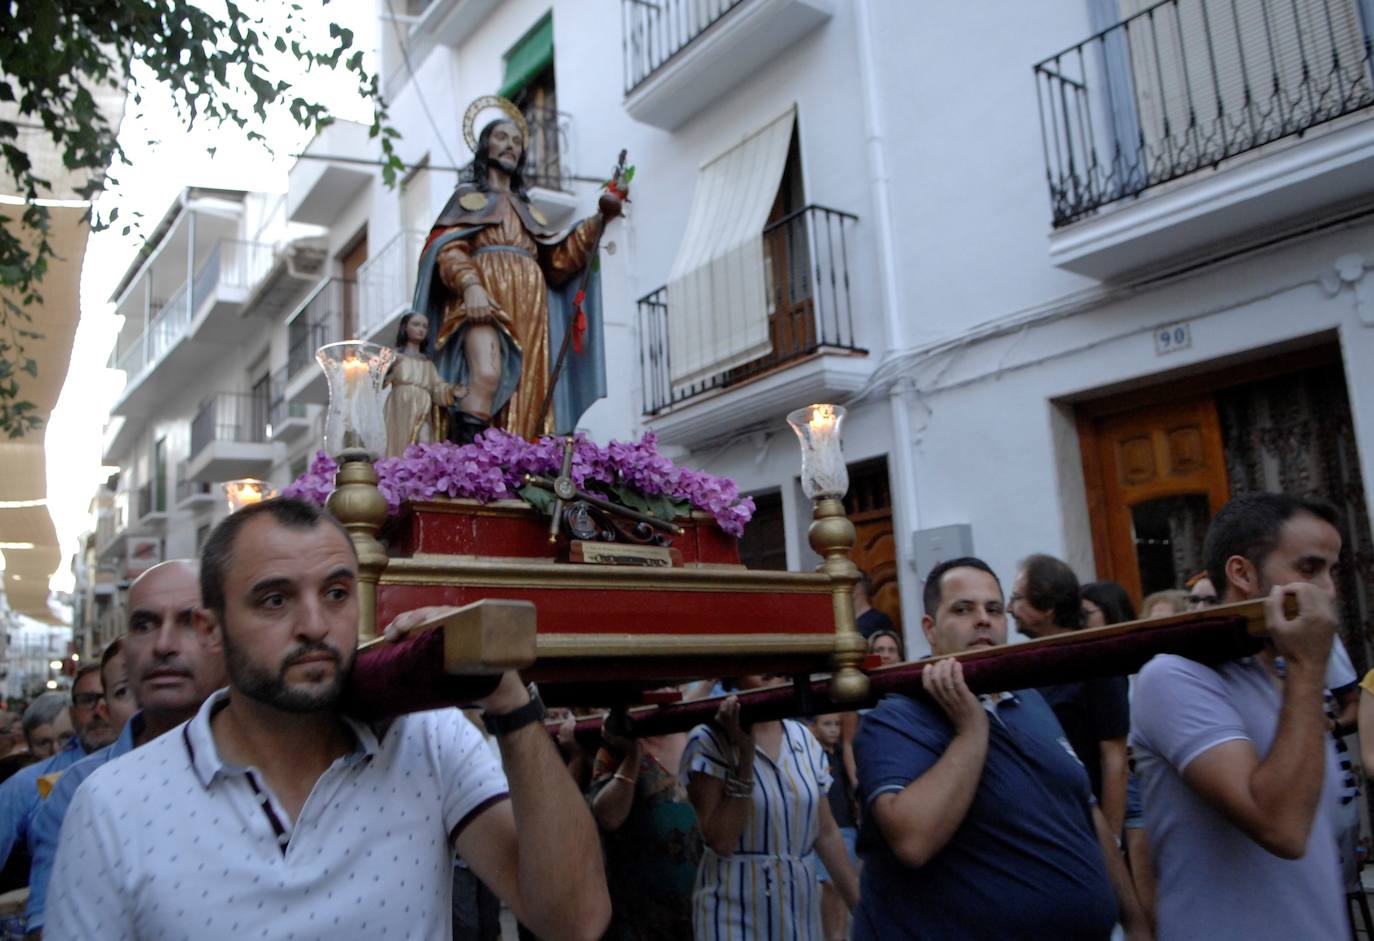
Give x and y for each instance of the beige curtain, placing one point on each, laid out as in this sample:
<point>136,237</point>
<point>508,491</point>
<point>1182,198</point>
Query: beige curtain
<point>717,301</point>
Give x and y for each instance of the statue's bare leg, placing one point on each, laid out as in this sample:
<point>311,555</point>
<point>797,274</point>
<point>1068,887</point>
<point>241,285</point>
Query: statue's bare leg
<point>482,347</point>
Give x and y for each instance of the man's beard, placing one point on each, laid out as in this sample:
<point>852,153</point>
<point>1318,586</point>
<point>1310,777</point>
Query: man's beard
<point>272,689</point>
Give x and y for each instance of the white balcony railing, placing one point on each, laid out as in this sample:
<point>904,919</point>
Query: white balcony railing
<point>386,281</point>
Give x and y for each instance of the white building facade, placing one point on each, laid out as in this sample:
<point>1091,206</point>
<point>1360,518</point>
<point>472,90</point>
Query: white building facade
<point>847,200</point>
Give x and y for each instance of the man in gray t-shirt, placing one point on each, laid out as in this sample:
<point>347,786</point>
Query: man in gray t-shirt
<point>1238,775</point>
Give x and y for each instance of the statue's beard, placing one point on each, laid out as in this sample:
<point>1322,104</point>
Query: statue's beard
<point>505,163</point>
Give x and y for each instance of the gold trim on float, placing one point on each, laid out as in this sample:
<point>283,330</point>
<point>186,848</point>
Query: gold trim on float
<point>562,646</point>
<point>442,571</point>
<point>462,507</point>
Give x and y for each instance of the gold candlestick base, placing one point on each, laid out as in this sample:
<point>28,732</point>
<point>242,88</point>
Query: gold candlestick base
<point>360,507</point>
<point>832,536</point>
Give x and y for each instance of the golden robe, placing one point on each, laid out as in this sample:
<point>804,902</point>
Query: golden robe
<point>517,283</point>
<point>414,410</point>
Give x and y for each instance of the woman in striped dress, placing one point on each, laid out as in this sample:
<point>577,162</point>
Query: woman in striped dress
<point>759,794</point>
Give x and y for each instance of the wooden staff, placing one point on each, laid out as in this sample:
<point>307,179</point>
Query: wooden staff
<point>581,291</point>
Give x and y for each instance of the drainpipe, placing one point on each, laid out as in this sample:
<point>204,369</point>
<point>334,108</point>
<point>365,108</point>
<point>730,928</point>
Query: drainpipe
<point>902,457</point>
<point>190,267</point>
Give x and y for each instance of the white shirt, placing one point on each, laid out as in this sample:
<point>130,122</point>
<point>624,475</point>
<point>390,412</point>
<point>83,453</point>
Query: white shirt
<point>169,842</point>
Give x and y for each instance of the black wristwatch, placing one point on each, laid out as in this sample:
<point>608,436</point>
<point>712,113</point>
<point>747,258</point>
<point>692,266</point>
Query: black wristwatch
<point>506,723</point>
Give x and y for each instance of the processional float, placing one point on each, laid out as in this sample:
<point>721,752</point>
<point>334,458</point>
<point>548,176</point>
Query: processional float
<point>607,595</point>
<point>599,621</point>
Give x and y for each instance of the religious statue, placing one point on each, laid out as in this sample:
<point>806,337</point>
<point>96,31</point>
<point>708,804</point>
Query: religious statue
<point>416,410</point>
<point>505,289</point>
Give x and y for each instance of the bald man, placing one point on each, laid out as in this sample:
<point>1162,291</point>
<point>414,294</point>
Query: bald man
<point>171,667</point>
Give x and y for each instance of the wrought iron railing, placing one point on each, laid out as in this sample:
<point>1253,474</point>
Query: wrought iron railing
<point>327,315</point>
<point>546,148</point>
<point>386,281</point>
<point>282,408</point>
<point>152,498</point>
<point>230,416</point>
<point>806,271</point>
<point>1186,84</point>
<point>654,32</point>
<point>187,489</point>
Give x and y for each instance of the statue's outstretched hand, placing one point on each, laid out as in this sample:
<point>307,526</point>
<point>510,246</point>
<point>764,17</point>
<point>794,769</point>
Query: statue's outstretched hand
<point>477,304</point>
<point>454,393</point>
<point>610,205</point>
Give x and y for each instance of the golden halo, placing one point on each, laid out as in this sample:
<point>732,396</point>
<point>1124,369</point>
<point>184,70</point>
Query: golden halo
<point>492,101</point>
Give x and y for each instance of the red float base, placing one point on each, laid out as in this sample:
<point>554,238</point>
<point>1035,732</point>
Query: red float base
<point>607,633</point>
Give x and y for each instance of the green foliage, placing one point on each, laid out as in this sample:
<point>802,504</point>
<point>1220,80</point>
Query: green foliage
<point>539,498</point>
<point>56,54</point>
<point>662,507</point>
<point>659,506</point>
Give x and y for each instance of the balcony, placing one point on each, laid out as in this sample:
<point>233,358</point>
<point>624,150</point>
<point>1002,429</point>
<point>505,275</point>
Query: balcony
<point>682,55</point>
<point>811,326</point>
<point>224,282</point>
<point>120,435</point>
<point>112,530</point>
<point>192,494</point>
<point>328,314</point>
<point>229,438</point>
<point>289,419</point>
<point>431,23</point>
<point>1196,122</point>
<point>386,286</point>
<point>188,330</point>
<point>320,189</point>
<point>151,506</point>
<point>546,163</point>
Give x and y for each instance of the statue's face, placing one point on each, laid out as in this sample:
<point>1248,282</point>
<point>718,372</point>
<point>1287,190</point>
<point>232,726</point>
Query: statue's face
<point>417,328</point>
<point>505,146</point>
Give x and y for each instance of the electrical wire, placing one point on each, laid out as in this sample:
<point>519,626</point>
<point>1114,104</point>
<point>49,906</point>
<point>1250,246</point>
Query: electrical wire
<point>419,92</point>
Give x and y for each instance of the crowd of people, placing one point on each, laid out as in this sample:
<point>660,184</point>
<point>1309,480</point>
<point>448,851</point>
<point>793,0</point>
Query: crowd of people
<point>202,780</point>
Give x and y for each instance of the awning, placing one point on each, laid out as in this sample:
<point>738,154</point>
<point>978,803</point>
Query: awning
<point>531,55</point>
<point>717,295</point>
<point>31,550</point>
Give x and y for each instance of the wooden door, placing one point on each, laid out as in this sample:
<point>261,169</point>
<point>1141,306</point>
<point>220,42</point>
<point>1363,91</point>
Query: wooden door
<point>349,263</point>
<point>1155,477</point>
<point>869,507</point>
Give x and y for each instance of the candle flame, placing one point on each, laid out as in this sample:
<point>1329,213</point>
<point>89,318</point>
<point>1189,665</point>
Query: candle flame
<point>247,491</point>
<point>822,418</point>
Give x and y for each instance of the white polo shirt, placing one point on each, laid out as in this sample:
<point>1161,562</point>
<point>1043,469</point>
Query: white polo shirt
<point>169,842</point>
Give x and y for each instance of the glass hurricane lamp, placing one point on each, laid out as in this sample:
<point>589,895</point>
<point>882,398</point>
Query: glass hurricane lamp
<point>354,425</point>
<point>823,471</point>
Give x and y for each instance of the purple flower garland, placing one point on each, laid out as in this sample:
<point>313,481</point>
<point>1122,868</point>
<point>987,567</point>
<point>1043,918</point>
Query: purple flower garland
<point>493,468</point>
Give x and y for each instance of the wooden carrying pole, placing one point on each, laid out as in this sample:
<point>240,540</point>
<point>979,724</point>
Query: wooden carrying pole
<point>450,660</point>
<point>1209,636</point>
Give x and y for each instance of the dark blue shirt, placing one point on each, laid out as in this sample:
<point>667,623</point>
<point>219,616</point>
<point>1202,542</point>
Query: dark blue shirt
<point>1024,864</point>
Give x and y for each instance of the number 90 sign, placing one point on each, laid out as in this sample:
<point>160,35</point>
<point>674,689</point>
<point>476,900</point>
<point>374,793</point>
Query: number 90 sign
<point>1172,337</point>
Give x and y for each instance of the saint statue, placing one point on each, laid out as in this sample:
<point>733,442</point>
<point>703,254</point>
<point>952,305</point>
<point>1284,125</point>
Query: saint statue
<point>416,410</point>
<point>503,287</point>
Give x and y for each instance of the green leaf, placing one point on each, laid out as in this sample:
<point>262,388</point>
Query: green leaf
<point>661,507</point>
<point>537,497</point>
